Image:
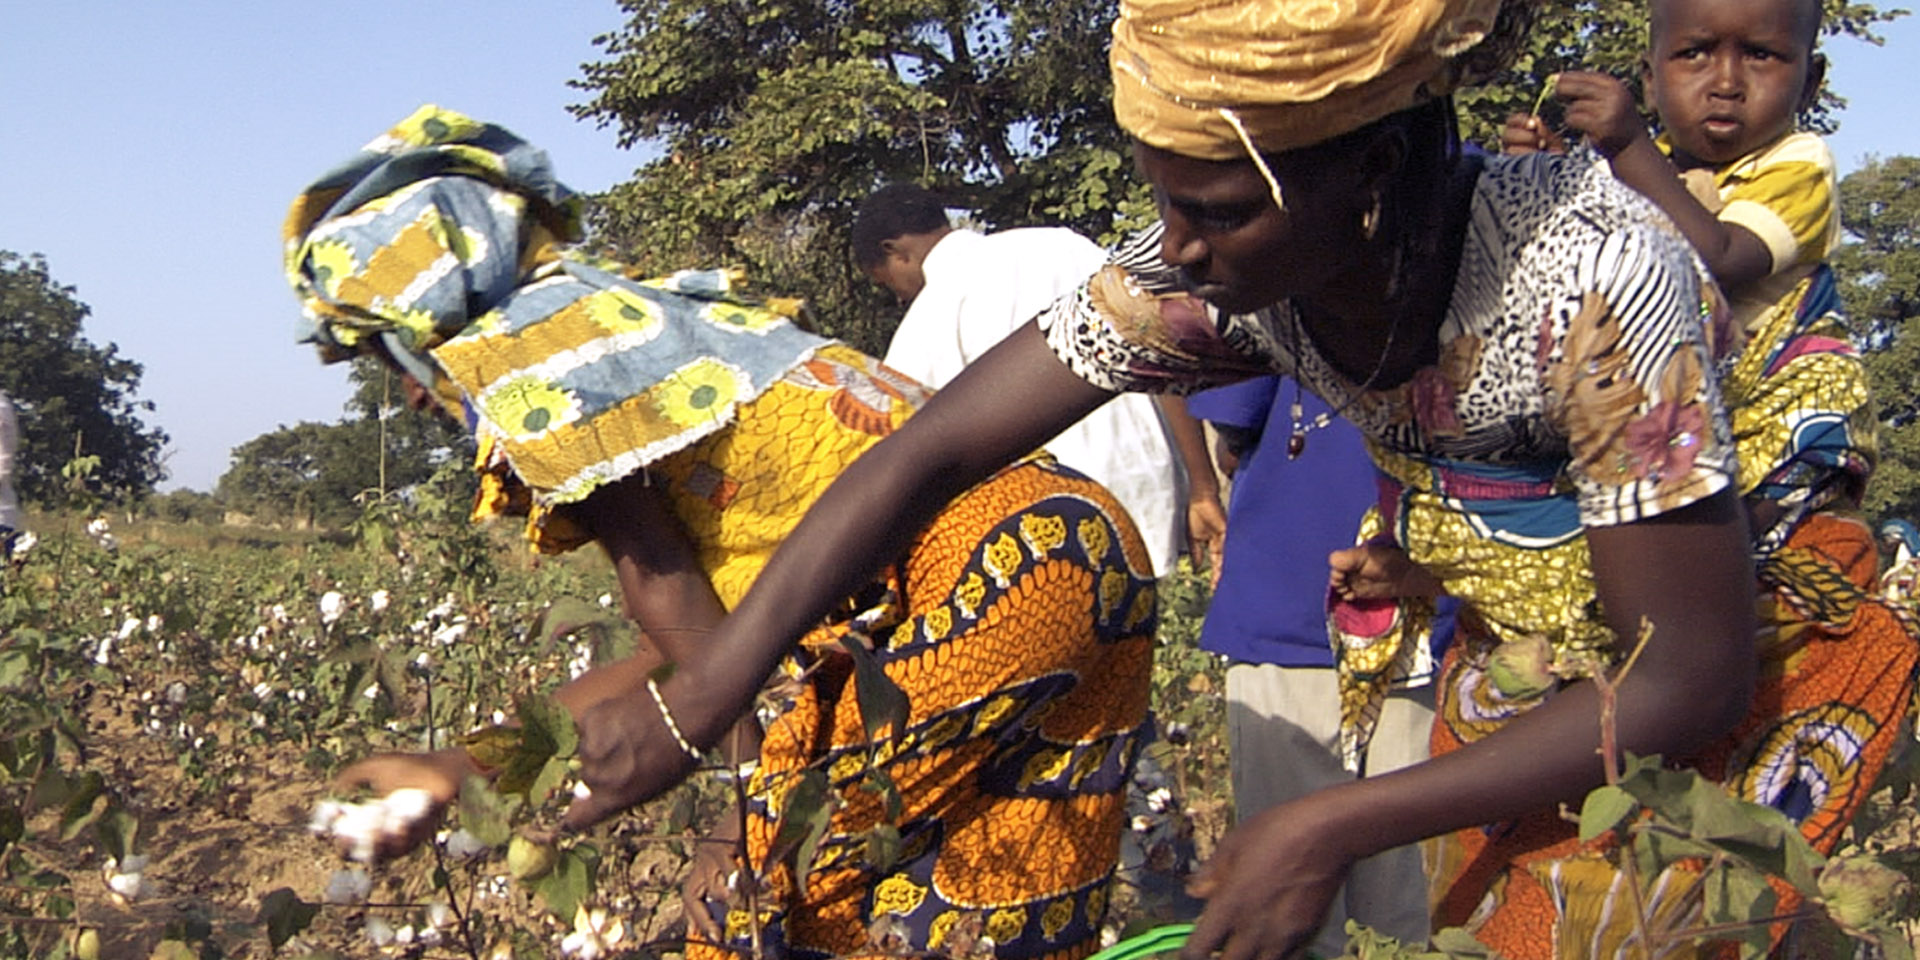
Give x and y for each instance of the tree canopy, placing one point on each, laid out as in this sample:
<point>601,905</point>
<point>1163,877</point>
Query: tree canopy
<point>322,473</point>
<point>1880,281</point>
<point>70,393</point>
<point>776,117</point>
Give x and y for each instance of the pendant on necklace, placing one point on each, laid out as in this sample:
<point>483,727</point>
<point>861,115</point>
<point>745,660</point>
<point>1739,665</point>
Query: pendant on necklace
<point>1296,444</point>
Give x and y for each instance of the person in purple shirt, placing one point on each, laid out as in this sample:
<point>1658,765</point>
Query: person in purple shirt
<point>1285,514</point>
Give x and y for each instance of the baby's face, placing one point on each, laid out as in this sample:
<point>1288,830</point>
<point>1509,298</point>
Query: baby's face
<point>1728,76</point>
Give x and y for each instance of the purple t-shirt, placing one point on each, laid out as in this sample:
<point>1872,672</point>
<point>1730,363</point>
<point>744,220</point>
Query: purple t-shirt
<point>1283,518</point>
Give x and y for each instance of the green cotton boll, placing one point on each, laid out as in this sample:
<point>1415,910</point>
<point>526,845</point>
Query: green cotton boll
<point>1522,669</point>
<point>530,859</point>
<point>1861,894</point>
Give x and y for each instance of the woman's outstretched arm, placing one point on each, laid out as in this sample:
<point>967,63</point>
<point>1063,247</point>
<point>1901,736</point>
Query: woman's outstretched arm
<point>1686,573</point>
<point>1000,408</point>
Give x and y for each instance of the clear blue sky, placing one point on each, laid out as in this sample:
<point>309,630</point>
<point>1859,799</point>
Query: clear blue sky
<point>149,150</point>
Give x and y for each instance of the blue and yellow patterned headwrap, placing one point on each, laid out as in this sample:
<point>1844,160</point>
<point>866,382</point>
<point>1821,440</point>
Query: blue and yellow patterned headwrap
<point>444,243</point>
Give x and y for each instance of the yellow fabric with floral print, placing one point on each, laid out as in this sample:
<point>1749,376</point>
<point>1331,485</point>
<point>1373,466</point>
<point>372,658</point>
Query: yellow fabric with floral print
<point>1292,73</point>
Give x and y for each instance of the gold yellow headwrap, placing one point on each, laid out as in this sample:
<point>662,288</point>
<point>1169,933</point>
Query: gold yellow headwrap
<point>1288,73</point>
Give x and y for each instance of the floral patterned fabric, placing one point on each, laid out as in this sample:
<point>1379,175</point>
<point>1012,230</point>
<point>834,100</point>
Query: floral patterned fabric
<point>1579,384</point>
<point>441,242</point>
<point>1572,390</point>
<point>1019,624</point>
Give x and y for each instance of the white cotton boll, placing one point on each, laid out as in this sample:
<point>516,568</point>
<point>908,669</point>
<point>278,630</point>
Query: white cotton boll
<point>105,653</point>
<point>378,600</point>
<point>406,805</point>
<point>263,691</point>
<point>423,661</point>
<point>97,527</point>
<point>1142,824</point>
<point>154,623</point>
<point>430,937</point>
<point>177,693</point>
<point>380,932</point>
<point>1159,800</point>
<point>579,945</point>
<point>332,605</point>
<point>438,914</point>
<point>499,717</point>
<point>347,886</point>
<point>324,814</point>
<point>360,825</point>
<point>447,635</point>
<point>372,692</point>
<point>404,935</point>
<point>606,599</point>
<point>462,845</point>
<point>23,543</point>
<point>297,696</point>
<point>124,877</point>
<point>581,791</point>
<point>129,627</point>
<point>277,613</point>
<point>128,885</point>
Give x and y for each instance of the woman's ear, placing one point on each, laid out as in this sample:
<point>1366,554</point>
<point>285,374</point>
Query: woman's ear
<point>1385,156</point>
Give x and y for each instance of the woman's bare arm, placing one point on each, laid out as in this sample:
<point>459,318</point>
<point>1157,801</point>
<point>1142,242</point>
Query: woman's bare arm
<point>1000,408</point>
<point>1687,574</point>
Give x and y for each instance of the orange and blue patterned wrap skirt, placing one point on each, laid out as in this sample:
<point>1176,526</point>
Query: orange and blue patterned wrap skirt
<point>1836,682</point>
<point>1025,650</point>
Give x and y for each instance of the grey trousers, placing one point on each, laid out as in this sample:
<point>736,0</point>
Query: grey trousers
<point>1283,728</point>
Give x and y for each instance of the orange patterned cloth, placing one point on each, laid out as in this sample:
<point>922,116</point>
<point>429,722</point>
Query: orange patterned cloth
<point>1836,676</point>
<point>1019,625</point>
<point>1025,649</point>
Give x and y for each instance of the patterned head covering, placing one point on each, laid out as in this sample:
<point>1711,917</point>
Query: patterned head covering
<point>444,243</point>
<point>1215,79</point>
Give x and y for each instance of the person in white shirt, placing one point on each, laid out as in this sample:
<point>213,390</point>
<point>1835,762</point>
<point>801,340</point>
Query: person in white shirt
<point>9,503</point>
<point>966,291</point>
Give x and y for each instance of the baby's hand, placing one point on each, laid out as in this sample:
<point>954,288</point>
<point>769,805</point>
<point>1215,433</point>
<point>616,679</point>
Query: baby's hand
<point>1602,108</point>
<point>1378,571</point>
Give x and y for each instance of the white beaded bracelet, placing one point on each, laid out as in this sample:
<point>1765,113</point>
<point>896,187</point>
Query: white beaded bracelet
<point>672,728</point>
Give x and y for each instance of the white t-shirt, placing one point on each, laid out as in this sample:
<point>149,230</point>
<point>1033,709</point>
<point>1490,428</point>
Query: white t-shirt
<point>979,288</point>
<point>9,442</point>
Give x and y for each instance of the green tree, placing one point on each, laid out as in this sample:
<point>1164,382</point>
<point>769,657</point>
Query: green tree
<point>776,117</point>
<point>324,473</point>
<point>1880,281</point>
<point>68,391</point>
<point>308,473</point>
<point>184,506</point>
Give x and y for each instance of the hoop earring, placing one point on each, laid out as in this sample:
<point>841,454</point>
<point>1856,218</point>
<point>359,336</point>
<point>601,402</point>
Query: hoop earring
<point>1370,221</point>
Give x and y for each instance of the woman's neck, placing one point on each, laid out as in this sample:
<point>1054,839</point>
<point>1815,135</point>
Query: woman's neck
<point>1383,324</point>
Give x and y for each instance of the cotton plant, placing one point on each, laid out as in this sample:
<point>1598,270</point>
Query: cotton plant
<point>126,877</point>
<point>332,606</point>
<point>346,887</point>
<point>595,934</point>
<point>362,826</point>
